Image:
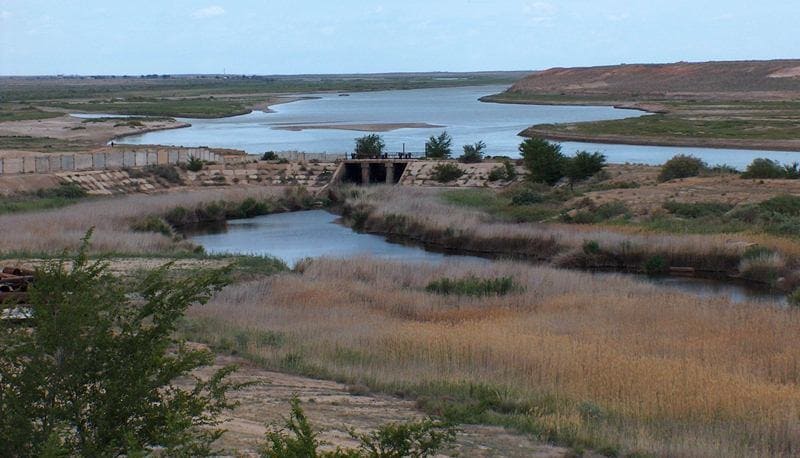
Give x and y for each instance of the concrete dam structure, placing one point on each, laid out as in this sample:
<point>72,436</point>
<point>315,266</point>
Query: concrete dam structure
<point>374,171</point>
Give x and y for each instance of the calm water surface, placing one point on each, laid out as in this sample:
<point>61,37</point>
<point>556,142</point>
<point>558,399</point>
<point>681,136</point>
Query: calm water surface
<point>294,236</point>
<point>458,109</point>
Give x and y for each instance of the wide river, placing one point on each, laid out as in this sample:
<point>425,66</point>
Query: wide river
<point>457,110</point>
<point>310,234</point>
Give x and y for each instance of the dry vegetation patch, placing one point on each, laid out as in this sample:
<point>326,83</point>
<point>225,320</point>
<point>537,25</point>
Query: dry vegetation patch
<point>606,363</point>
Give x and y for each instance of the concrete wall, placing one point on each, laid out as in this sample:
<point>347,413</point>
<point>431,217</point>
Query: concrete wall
<point>110,160</point>
<point>297,156</point>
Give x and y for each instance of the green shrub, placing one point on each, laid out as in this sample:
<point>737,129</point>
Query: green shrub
<point>269,156</point>
<point>764,168</point>
<point>583,165</point>
<point>656,265</point>
<point>784,204</point>
<point>599,214</point>
<point>195,164</point>
<point>681,166</point>
<point>591,247</point>
<point>167,172</point>
<point>153,223</point>
<point>527,196</point>
<point>472,286</point>
<point>794,298</point>
<point>543,159</point>
<point>697,209</point>
<point>722,169</point>
<point>371,145</point>
<point>792,171</point>
<point>91,373</point>
<point>446,172</point>
<point>438,147</point>
<point>65,191</point>
<point>297,439</point>
<point>504,172</point>
<point>473,153</point>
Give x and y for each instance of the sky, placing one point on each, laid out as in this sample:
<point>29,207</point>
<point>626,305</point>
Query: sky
<point>92,37</point>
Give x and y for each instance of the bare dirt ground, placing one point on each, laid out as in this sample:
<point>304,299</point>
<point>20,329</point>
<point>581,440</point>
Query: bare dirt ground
<point>379,127</point>
<point>71,128</point>
<point>333,410</point>
<point>651,194</point>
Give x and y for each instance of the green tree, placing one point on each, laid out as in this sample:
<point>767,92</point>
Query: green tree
<point>681,166</point>
<point>371,145</point>
<point>473,153</point>
<point>89,374</point>
<point>583,165</point>
<point>544,160</point>
<point>764,168</point>
<point>438,147</point>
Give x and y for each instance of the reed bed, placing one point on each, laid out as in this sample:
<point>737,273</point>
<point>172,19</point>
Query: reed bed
<point>62,229</point>
<point>607,363</point>
<point>421,215</point>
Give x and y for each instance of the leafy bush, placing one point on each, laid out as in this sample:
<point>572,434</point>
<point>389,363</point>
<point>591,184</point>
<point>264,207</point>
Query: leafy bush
<point>681,166</point>
<point>544,160</point>
<point>656,265</point>
<point>784,204</point>
<point>473,286</point>
<point>598,214</point>
<point>722,169</point>
<point>792,171</point>
<point>298,439</point>
<point>473,153</point>
<point>583,165</point>
<point>90,373</point>
<point>446,172</point>
<point>697,209</point>
<point>504,172</point>
<point>65,191</point>
<point>438,147</point>
<point>764,168</point>
<point>794,298</point>
<point>153,223</point>
<point>591,247</point>
<point>269,156</point>
<point>167,172</point>
<point>527,196</point>
<point>371,145</point>
<point>195,164</point>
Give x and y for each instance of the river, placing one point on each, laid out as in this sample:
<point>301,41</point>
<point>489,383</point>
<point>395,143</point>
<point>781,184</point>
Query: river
<point>294,236</point>
<point>457,110</point>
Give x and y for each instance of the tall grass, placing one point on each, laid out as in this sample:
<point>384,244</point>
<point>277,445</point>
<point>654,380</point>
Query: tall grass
<point>55,230</point>
<point>606,363</point>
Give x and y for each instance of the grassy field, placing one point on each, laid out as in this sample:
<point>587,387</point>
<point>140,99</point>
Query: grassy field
<point>14,112</point>
<point>606,363</point>
<point>146,106</point>
<point>44,144</point>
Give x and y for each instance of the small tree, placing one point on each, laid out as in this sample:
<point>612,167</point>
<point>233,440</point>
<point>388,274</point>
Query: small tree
<point>543,159</point>
<point>764,168</point>
<point>195,164</point>
<point>446,172</point>
<point>438,147</point>
<point>473,153</point>
<point>681,166</point>
<point>371,145</point>
<point>583,165</point>
<point>90,373</point>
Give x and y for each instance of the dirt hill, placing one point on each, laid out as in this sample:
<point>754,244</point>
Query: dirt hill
<point>781,76</point>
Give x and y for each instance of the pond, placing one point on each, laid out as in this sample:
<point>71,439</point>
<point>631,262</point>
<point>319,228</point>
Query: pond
<point>294,236</point>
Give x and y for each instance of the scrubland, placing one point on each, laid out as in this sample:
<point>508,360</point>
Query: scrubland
<point>605,363</point>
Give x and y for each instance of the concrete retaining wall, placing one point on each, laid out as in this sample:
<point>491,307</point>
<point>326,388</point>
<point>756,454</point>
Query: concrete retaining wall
<point>111,160</point>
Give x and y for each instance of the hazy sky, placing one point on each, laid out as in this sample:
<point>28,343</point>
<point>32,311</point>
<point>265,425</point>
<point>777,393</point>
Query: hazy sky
<point>348,36</point>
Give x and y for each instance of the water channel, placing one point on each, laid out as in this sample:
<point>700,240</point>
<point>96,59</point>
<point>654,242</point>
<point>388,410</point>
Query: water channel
<point>308,234</point>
